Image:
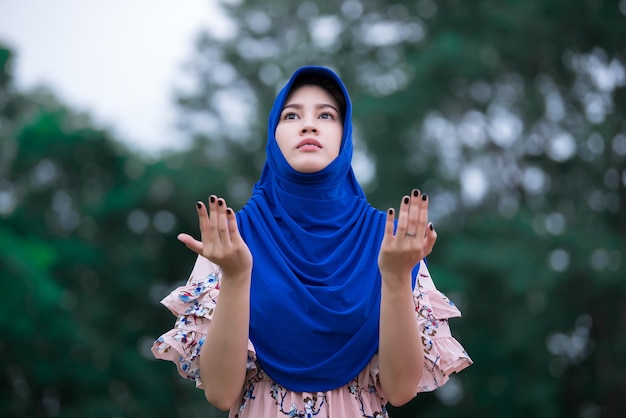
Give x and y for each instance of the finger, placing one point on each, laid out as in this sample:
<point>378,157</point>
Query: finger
<point>222,221</point>
<point>403,217</point>
<point>203,220</point>
<point>212,221</point>
<point>389,221</point>
<point>233,228</point>
<point>413,215</point>
<point>191,243</point>
<point>422,216</point>
<point>430,239</point>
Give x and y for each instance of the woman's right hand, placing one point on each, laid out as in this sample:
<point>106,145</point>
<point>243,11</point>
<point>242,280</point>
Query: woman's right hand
<point>220,242</point>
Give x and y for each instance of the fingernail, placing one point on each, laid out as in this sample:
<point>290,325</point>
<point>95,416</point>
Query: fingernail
<point>416,192</point>
<point>390,211</point>
<point>198,205</point>
<point>431,227</point>
<point>220,202</point>
<point>406,199</point>
<point>228,211</point>
<point>424,196</point>
<point>212,199</point>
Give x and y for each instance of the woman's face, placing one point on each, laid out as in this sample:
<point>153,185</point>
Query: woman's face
<point>309,130</point>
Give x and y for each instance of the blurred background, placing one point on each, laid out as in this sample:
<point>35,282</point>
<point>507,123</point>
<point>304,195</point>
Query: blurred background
<point>511,115</point>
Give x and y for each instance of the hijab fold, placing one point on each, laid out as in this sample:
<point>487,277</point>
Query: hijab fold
<point>315,290</point>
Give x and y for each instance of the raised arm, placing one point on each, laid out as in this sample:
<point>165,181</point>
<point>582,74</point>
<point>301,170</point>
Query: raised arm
<point>401,353</point>
<point>223,355</point>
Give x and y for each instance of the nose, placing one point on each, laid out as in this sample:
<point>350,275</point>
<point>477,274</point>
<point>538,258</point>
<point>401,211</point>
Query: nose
<point>308,125</point>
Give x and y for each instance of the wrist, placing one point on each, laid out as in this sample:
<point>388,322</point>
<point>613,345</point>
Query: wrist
<point>238,277</point>
<point>396,283</point>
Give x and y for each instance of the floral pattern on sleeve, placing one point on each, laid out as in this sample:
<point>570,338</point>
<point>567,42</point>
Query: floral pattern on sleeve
<point>193,304</point>
<point>442,352</point>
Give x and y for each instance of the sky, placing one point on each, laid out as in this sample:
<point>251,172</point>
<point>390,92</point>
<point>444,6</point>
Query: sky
<point>117,60</point>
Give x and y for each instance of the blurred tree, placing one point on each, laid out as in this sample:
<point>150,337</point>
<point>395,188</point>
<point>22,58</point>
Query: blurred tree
<point>84,226</point>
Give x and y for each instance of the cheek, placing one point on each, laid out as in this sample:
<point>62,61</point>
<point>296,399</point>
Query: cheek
<point>279,134</point>
<point>337,142</point>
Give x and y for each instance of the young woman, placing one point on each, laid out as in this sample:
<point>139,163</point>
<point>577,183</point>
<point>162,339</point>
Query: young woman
<point>309,301</point>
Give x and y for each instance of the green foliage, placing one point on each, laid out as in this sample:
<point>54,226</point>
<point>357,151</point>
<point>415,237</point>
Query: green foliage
<point>83,222</point>
<point>510,115</point>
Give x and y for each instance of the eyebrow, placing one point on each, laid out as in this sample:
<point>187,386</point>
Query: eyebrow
<point>317,106</point>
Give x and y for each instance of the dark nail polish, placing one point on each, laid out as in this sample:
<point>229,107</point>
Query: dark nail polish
<point>199,205</point>
<point>424,196</point>
<point>212,199</point>
<point>228,211</point>
<point>406,200</point>
<point>431,227</point>
<point>220,202</point>
<point>416,192</point>
<point>390,211</point>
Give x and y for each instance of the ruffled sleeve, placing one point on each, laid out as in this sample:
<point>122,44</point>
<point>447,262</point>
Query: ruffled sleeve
<point>193,304</point>
<point>442,353</point>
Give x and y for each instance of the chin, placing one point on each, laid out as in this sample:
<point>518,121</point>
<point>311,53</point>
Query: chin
<point>309,168</point>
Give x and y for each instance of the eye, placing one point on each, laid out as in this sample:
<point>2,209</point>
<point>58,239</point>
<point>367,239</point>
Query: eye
<point>289,116</point>
<point>327,115</point>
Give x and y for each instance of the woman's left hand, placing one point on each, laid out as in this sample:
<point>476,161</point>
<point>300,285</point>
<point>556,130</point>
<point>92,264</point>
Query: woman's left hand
<point>413,240</point>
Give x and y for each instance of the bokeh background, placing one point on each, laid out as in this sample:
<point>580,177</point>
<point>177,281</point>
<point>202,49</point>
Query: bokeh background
<point>511,115</point>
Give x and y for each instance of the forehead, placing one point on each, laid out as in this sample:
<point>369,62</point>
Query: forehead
<point>310,92</point>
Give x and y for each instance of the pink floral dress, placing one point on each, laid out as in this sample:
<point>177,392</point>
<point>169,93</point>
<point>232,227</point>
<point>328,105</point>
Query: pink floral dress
<point>194,304</point>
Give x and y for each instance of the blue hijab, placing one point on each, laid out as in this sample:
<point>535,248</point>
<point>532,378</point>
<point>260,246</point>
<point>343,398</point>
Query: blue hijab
<point>315,290</point>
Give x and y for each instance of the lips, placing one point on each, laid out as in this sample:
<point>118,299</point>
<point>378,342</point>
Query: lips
<point>309,141</point>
